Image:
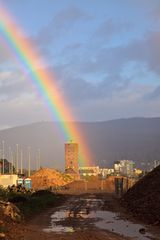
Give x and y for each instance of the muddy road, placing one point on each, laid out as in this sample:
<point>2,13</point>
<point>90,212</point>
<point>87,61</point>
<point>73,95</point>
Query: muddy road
<point>87,217</point>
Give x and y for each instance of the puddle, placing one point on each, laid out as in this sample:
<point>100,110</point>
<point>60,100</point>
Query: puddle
<point>86,214</point>
<point>59,229</point>
<point>112,222</point>
<point>55,225</point>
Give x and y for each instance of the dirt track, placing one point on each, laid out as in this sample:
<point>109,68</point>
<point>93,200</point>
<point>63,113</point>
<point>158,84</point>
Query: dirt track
<point>74,220</point>
<point>84,229</point>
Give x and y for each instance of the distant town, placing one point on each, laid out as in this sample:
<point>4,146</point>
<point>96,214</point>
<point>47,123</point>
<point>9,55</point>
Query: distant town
<point>121,176</point>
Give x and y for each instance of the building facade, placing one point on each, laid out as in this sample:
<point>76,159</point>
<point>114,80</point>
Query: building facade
<point>124,167</point>
<point>89,171</point>
<point>71,157</point>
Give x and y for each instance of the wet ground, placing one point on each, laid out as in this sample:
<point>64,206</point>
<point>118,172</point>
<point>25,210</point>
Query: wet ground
<point>85,217</point>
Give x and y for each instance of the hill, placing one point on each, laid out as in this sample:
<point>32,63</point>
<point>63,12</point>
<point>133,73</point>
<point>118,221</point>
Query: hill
<point>136,138</point>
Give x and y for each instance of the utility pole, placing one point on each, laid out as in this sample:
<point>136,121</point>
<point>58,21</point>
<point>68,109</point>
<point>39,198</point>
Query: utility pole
<point>21,161</point>
<point>39,158</point>
<point>9,160</point>
<point>0,161</point>
<point>3,155</point>
<point>12,161</point>
<point>17,159</point>
<point>29,161</point>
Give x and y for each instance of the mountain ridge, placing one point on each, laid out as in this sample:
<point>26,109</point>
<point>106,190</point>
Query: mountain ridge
<point>135,138</point>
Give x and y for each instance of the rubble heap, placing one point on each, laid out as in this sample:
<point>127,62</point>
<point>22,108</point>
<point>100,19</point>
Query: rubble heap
<point>9,218</point>
<point>143,199</point>
<point>46,177</point>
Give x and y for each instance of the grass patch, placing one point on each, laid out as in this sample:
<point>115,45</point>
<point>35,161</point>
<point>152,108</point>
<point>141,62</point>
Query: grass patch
<point>32,203</point>
<point>37,203</point>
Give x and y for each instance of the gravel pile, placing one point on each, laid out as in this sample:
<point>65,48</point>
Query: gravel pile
<point>143,199</point>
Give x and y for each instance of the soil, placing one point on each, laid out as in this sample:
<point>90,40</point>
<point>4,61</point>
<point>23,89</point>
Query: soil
<point>46,177</point>
<point>33,229</point>
<point>143,199</point>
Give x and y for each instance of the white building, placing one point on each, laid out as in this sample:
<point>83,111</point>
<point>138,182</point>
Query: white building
<point>89,171</point>
<point>106,172</point>
<point>8,180</point>
<point>124,167</point>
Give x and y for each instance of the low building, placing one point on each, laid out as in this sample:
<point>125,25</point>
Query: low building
<point>104,172</point>
<point>8,180</point>
<point>89,171</point>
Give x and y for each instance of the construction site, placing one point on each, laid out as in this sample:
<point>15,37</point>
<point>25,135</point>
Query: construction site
<point>72,180</point>
<point>77,206</point>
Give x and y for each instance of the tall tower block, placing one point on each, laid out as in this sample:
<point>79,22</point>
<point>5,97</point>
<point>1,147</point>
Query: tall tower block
<point>71,156</point>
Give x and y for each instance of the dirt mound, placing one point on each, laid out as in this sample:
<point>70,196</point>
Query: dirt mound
<point>143,199</point>
<point>9,221</point>
<point>46,177</point>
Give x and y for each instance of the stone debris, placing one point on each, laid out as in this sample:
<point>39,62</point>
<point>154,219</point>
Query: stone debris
<point>142,230</point>
<point>143,199</point>
<point>10,210</point>
<point>2,236</point>
<point>9,220</point>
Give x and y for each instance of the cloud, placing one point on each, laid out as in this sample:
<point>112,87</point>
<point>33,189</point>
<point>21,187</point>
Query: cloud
<point>60,25</point>
<point>109,29</point>
<point>5,55</point>
<point>98,75</point>
<point>91,63</point>
<point>22,109</point>
<point>153,95</point>
<point>79,89</point>
<point>13,83</point>
<point>111,60</point>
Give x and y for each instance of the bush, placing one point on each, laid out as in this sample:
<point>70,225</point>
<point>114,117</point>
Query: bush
<point>40,193</point>
<point>3,193</point>
<point>18,198</point>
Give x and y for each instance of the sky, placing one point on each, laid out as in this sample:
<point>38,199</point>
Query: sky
<point>104,56</point>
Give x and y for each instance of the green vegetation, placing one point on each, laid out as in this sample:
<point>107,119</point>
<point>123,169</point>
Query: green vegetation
<point>31,203</point>
<point>38,202</point>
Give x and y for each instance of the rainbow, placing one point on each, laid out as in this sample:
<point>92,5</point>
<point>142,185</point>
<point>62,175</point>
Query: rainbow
<point>44,82</point>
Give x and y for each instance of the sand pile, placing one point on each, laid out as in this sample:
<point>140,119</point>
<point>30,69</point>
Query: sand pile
<point>46,177</point>
<point>143,199</point>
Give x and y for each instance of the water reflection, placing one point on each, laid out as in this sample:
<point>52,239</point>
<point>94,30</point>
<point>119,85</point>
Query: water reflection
<point>112,222</point>
<point>87,213</point>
